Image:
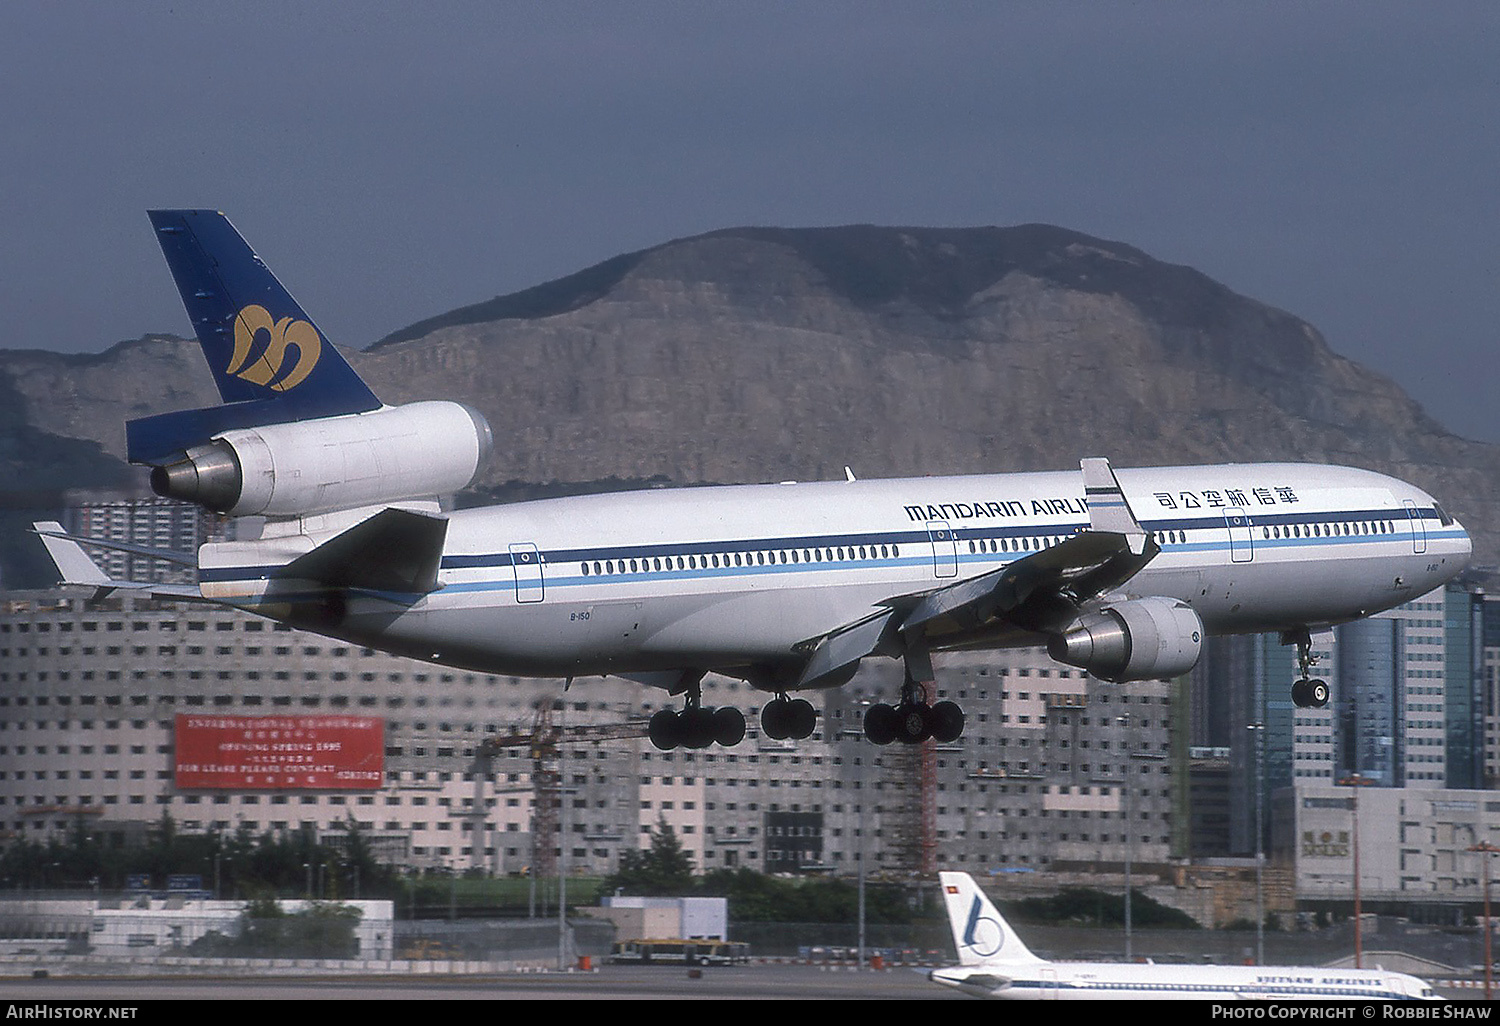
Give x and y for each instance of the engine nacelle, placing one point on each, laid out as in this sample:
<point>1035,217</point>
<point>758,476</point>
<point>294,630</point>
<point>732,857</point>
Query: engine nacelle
<point>307,467</point>
<point>1141,639</point>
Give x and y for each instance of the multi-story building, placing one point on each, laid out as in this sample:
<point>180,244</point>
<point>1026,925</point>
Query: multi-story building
<point>1414,844</point>
<point>149,522</point>
<point>1051,764</point>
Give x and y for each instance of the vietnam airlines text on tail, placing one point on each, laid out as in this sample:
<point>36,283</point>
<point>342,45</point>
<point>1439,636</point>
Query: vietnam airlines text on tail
<point>788,587</point>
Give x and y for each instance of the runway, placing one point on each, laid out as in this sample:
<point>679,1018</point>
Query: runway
<point>610,983</point>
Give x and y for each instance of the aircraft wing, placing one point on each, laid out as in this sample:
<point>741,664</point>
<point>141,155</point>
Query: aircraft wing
<point>1040,592</point>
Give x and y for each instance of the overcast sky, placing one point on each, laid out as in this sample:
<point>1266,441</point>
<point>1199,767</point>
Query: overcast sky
<point>392,161</point>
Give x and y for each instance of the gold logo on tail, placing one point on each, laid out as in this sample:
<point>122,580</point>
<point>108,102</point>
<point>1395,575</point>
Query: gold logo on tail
<point>285,332</point>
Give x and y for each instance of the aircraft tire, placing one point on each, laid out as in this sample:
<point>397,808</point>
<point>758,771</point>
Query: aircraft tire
<point>1299,693</point>
<point>802,719</point>
<point>913,723</point>
<point>880,724</point>
<point>773,720</point>
<point>664,730</point>
<point>697,727</point>
<point>1317,693</point>
<point>728,726</point>
<point>947,722</point>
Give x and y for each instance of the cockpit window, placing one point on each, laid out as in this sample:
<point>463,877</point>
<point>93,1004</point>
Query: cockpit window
<point>1443,516</point>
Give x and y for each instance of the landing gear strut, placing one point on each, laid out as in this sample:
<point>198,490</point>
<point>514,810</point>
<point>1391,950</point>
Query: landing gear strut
<point>695,726</point>
<point>913,720</point>
<point>1307,693</point>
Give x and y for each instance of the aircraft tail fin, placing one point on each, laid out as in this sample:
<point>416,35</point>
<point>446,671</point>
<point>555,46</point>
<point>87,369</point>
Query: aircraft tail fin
<point>980,932</point>
<point>270,362</point>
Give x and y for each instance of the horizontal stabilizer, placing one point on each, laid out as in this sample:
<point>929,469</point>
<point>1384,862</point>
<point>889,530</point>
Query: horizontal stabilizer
<point>76,568</point>
<point>396,550</point>
<point>54,530</point>
<point>72,562</point>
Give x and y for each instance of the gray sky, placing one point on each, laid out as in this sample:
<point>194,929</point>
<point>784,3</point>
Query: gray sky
<point>392,161</point>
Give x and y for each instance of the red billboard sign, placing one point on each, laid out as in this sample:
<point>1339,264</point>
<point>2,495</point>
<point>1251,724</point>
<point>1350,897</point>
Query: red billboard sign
<point>250,753</point>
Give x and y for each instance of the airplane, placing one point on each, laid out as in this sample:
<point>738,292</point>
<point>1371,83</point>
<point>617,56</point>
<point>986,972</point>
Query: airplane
<point>341,530</point>
<point>994,963</point>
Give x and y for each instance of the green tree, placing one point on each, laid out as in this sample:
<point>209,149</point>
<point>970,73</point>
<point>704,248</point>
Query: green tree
<point>663,869</point>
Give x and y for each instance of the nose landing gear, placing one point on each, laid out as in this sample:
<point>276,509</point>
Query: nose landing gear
<point>1308,693</point>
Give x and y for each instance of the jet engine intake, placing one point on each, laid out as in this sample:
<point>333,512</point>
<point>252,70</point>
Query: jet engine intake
<point>416,451</point>
<point>1139,639</point>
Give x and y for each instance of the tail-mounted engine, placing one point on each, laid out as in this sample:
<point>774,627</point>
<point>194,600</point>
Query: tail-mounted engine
<point>1141,639</point>
<point>316,466</point>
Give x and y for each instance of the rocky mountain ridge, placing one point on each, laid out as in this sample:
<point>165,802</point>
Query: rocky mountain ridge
<point>762,354</point>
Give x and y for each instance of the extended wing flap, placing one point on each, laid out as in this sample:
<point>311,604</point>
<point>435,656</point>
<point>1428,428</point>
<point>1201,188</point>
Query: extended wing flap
<point>1082,565</point>
<point>1043,590</point>
<point>843,648</point>
<point>396,550</point>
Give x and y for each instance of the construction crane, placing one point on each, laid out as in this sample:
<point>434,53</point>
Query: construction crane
<point>544,741</point>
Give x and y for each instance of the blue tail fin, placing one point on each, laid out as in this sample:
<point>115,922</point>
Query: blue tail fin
<point>269,360</point>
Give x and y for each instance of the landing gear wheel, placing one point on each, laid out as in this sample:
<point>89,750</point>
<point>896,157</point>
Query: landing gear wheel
<point>947,721</point>
<point>728,726</point>
<point>802,718</point>
<point>663,730</point>
<point>697,725</point>
<point>913,724</point>
<point>1299,693</point>
<point>1317,693</point>
<point>773,720</point>
<point>880,724</point>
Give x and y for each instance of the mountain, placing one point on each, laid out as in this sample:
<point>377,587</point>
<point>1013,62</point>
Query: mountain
<point>762,354</point>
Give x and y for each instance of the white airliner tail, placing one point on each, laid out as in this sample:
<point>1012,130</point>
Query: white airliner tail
<point>980,932</point>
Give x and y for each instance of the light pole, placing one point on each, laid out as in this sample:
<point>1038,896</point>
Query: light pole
<point>1124,722</point>
<point>1487,849</point>
<point>1258,731</point>
<point>1356,781</point>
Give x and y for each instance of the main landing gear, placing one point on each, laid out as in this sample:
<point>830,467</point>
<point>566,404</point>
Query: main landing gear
<point>1308,693</point>
<point>913,720</point>
<point>783,718</point>
<point>695,726</point>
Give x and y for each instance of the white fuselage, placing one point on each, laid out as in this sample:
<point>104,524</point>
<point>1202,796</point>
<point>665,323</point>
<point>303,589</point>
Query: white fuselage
<point>1109,981</point>
<point>732,577</point>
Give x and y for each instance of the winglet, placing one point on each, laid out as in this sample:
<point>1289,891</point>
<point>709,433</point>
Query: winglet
<point>72,562</point>
<point>1108,509</point>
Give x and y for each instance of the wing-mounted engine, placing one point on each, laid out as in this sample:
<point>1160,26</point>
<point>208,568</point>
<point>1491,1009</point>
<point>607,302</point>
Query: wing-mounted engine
<point>1137,639</point>
<point>308,467</point>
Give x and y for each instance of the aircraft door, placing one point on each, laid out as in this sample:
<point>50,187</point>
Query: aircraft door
<point>944,549</point>
<point>1241,543</point>
<point>527,564</point>
<point>1049,983</point>
<point>1418,527</point>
